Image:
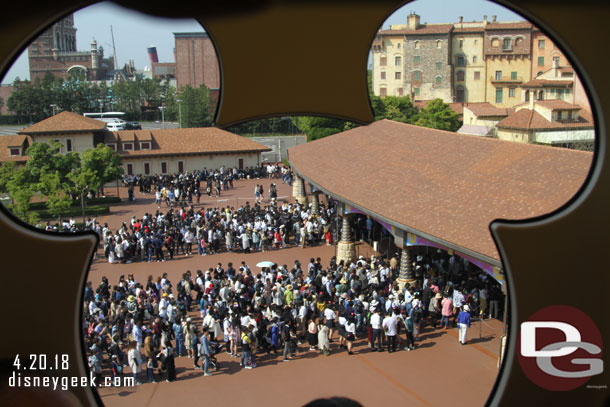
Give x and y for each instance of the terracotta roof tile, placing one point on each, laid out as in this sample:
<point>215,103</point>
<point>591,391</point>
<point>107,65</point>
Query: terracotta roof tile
<point>188,141</point>
<point>509,26</point>
<point>12,141</point>
<point>539,83</point>
<point>486,109</point>
<point>558,104</point>
<point>422,29</point>
<point>526,119</point>
<point>451,187</point>
<point>65,122</point>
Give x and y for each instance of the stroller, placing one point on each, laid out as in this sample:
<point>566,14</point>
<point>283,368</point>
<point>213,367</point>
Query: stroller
<point>216,348</point>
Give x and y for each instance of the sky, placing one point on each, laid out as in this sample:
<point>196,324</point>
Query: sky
<point>134,32</point>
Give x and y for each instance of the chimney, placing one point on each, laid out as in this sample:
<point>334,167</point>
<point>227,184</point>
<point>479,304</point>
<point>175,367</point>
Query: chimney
<point>152,54</point>
<point>460,19</point>
<point>493,19</point>
<point>412,21</point>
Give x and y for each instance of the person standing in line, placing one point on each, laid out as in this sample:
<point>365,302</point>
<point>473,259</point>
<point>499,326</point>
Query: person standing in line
<point>206,351</point>
<point>389,326</point>
<point>323,344</point>
<point>463,322</point>
<point>350,333</point>
<point>446,311</point>
<point>135,360</point>
<point>376,325</point>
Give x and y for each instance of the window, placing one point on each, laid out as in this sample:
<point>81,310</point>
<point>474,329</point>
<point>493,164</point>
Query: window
<point>495,43</point>
<point>417,59</point>
<point>459,94</point>
<point>398,45</point>
<point>540,44</point>
<point>474,59</point>
<point>461,43</point>
<point>511,92</point>
<point>180,166</point>
<point>556,61</point>
<point>477,75</point>
<point>383,61</point>
<point>499,92</point>
<point>382,75</point>
<point>145,145</point>
<point>417,75</point>
<point>163,167</point>
<point>69,145</point>
<point>147,168</point>
<point>439,44</point>
<point>396,75</point>
<point>513,76</point>
<point>540,61</point>
<point>397,61</point>
<point>400,91</point>
<point>439,66</point>
<point>15,151</point>
<point>127,146</point>
<point>568,92</point>
<point>507,44</point>
<point>417,46</point>
<point>461,61</point>
<point>439,79</point>
<point>498,75</point>
<point>460,76</point>
<point>112,146</point>
<point>416,91</point>
<point>382,91</point>
<point>129,169</point>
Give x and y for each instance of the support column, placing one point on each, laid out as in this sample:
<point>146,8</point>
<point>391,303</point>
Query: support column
<point>315,204</point>
<point>346,248</point>
<point>406,269</point>
<point>298,191</point>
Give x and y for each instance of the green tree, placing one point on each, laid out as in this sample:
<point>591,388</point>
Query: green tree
<point>46,158</point>
<point>102,161</point>
<point>316,127</point>
<point>195,106</point>
<point>58,201</point>
<point>438,115</point>
<point>20,191</point>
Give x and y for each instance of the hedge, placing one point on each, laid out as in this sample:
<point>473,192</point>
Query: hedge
<point>74,212</point>
<point>109,200</point>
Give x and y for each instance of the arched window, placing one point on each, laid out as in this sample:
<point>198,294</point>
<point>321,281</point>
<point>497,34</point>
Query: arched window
<point>439,79</point>
<point>417,46</point>
<point>439,43</point>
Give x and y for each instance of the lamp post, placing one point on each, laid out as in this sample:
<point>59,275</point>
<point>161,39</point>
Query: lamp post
<point>162,109</point>
<point>53,107</point>
<point>101,104</point>
<point>179,111</point>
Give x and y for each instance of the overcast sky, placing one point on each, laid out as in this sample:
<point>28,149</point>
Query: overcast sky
<point>135,32</point>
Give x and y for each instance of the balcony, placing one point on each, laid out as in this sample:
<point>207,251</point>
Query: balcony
<point>506,79</point>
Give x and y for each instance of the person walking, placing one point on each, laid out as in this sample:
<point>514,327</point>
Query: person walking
<point>206,351</point>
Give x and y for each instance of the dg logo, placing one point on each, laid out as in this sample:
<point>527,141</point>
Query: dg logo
<point>560,348</point>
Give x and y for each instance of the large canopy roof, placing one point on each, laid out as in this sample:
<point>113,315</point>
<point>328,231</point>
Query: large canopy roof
<point>443,186</point>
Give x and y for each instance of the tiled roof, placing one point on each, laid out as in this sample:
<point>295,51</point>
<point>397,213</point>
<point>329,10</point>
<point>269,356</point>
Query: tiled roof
<point>526,119</point>
<point>540,83</point>
<point>558,104</point>
<point>186,141</point>
<point>422,29</point>
<point>486,109</point>
<point>13,141</point>
<point>451,187</point>
<point>65,122</point>
<point>508,26</point>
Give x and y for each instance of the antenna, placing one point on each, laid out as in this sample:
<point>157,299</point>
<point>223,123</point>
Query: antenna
<point>113,49</point>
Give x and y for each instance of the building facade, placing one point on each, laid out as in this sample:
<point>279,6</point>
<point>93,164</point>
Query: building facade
<point>55,51</point>
<point>469,64</point>
<point>196,61</point>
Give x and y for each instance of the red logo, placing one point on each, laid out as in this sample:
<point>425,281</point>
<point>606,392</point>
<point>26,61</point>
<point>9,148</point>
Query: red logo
<point>560,348</point>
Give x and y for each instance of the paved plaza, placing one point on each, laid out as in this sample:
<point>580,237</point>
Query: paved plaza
<point>438,372</point>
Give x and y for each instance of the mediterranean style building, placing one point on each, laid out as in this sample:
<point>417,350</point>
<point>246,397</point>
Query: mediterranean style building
<point>146,152</point>
<point>471,62</point>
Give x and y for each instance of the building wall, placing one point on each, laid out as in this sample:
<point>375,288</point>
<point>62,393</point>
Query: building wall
<point>5,93</point>
<point>522,68</point>
<point>471,118</point>
<point>392,47</point>
<point>563,136</point>
<point>520,136</point>
<point>80,142</point>
<point>191,163</point>
<point>469,46</point>
<point>196,61</point>
<point>542,46</point>
<point>431,49</point>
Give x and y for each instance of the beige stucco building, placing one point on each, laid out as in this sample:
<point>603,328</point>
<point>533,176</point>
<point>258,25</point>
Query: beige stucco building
<point>141,151</point>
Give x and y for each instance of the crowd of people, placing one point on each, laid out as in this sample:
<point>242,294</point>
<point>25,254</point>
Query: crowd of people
<point>279,309</point>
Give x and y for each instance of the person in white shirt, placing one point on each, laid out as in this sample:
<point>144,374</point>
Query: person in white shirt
<point>330,317</point>
<point>389,325</point>
<point>376,326</point>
